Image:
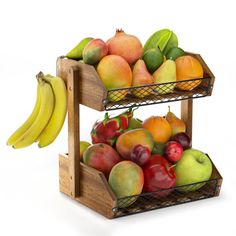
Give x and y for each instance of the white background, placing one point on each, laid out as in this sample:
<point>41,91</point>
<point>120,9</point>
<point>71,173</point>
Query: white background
<point>33,35</point>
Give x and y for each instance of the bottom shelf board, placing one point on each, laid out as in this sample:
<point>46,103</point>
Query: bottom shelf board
<point>96,194</point>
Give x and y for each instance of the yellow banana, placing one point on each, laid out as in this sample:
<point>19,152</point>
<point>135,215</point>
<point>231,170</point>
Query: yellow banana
<point>57,119</point>
<point>44,115</point>
<point>23,128</point>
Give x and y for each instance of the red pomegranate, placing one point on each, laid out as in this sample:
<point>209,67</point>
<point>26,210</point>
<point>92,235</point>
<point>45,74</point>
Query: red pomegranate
<point>125,45</point>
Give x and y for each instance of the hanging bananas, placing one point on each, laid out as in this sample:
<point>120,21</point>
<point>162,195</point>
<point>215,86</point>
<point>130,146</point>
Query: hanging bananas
<point>48,116</point>
<point>56,122</point>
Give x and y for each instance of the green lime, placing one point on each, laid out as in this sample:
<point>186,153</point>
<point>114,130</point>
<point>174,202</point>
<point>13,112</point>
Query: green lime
<point>158,148</point>
<point>174,53</point>
<point>153,58</point>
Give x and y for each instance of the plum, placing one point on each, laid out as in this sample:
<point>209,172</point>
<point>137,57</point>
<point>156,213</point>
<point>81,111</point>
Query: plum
<point>182,138</point>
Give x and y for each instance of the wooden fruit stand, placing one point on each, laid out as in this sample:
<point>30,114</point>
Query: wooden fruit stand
<point>88,185</point>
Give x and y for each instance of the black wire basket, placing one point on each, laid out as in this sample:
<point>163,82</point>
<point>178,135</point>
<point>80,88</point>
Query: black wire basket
<point>156,200</point>
<point>158,93</point>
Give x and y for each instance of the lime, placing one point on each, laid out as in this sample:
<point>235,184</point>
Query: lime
<point>153,58</point>
<point>174,53</point>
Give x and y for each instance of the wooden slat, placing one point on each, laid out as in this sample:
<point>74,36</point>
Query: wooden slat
<point>187,115</point>
<point>73,129</point>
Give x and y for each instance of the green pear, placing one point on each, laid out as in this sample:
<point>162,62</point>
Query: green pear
<point>77,51</point>
<point>141,77</point>
<point>177,125</point>
<point>166,73</point>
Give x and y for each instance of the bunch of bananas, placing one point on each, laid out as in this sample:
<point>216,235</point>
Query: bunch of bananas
<point>48,116</point>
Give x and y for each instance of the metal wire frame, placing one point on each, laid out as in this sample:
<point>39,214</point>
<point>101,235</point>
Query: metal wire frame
<point>157,93</point>
<point>156,200</point>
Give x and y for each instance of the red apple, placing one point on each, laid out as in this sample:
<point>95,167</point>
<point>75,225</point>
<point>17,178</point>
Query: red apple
<point>173,151</point>
<point>159,176</point>
<point>140,154</point>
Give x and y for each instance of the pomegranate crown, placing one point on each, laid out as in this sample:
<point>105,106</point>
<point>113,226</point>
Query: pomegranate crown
<point>119,30</point>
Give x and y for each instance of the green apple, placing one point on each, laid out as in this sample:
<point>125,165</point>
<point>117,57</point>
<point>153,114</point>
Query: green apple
<point>194,166</point>
<point>83,145</point>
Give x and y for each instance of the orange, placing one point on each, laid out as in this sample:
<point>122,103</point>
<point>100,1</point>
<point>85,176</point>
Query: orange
<point>159,128</point>
<point>188,67</point>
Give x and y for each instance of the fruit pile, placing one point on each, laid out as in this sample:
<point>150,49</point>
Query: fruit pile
<point>48,116</point>
<point>153,155</point>
<point>122,62</point>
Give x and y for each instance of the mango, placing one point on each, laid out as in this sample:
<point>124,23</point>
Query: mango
<point>101,157</point>
<point>115,72</point>
<point>126,179</point>
<point>94,51</point>
<point>129,139</point>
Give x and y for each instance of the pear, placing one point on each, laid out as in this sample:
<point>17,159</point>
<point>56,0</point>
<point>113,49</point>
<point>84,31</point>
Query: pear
<point>141,77</point>
<point>77,51</point>
<point>177,125</point>
<point>164,74</point>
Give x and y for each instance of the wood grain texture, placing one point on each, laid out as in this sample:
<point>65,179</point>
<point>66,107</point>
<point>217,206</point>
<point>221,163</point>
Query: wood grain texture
<point>216,175</point>
<point>92,91</point>
<point>95,192</point>
<point>187,115</point>
<point>73,129</point>
<point>64,177</point>
<point>207,73</point>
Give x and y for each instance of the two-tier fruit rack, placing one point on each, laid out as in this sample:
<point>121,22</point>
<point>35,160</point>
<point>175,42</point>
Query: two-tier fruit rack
<point>88,185</point>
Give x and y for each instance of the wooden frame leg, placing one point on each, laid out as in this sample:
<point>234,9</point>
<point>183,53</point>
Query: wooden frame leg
<point>187,115</point>
<point>73,130</point>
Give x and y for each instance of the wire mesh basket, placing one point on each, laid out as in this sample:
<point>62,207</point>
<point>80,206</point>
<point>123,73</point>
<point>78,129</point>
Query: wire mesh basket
<point>158,93</point>
<point>92,92</point>
<point>165,198</point>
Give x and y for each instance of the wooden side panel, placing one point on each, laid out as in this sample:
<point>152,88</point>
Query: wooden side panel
<point>187,115</point>
<point>207,72</point>
<point>92,91</point>
<point>95,192</point>
<point>64,177</point>
<point>216,175</point>
<point>63,67</point>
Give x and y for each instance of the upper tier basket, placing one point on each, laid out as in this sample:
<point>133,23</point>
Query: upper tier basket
<point>92,92</point>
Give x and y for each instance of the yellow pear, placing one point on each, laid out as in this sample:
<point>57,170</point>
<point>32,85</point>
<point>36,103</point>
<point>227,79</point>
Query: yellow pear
<point>177,125</point>
<point>166,73</point>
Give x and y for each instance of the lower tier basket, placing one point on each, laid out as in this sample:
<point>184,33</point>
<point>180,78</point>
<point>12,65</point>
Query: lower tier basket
<point>95,193</point>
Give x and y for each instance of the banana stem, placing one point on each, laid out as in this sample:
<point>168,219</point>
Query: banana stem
<point>169,108</point>
<point>40,75</point>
